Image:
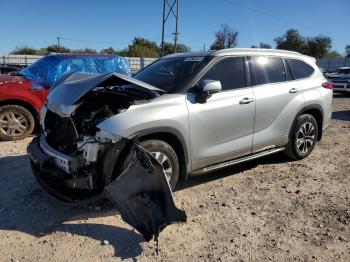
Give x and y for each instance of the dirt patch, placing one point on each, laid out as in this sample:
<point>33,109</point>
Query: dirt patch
<point>269,209</point>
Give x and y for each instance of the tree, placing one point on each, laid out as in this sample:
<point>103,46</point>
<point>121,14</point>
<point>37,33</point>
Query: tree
<point>318,46</point>
<point>347,50</point>
<point>262,45</point>
<point>332,54</point>
<point>24,50</point>
<point>85,51</point>
<point>142,47</point>
<point>291,40</point>
<point>55,49</point>
<point>108,51</point>
<point>225,38</point>
<point>169,48</point>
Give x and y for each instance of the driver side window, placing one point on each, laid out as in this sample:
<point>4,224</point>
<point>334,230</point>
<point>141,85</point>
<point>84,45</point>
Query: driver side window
<point>229,71</point>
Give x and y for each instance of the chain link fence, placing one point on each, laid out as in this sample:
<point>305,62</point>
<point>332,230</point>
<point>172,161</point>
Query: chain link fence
<point>330,65</point>
<point>138,63</point>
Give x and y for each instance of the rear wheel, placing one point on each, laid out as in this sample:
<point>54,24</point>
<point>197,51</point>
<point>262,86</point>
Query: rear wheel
<point>303,137</point>
<point>16,122</point>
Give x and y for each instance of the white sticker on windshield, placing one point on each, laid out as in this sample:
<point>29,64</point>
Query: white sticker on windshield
<point>194,59</point>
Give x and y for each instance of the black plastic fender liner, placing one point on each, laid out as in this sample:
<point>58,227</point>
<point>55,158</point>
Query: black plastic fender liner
<point>142,195</point>
<point>112,156</point>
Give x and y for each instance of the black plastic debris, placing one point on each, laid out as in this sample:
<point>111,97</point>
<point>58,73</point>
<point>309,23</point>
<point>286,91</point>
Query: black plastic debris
<point>143,196</point>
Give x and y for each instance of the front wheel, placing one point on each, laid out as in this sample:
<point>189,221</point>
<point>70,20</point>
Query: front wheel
<point>16,122</point>
<point>167,156</point>
<point>303,137</point>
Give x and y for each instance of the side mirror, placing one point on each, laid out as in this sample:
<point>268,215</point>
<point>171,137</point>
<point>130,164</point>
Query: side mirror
<point>207,88</point>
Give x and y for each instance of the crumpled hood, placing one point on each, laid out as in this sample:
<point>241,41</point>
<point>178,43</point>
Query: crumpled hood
<point>9,79</point>
<point>69,89</point>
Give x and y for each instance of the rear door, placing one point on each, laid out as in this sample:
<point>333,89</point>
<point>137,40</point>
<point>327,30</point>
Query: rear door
<point>278,99</point>
<point>222,128</point>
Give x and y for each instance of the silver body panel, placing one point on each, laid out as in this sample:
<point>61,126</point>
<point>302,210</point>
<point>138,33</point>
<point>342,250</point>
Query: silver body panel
<point>223,128</point>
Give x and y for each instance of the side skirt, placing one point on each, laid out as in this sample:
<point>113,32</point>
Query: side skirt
<point>236,161</point>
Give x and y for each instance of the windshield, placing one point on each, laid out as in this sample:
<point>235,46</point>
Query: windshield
<point>172,74</point>
<point>50,68</point>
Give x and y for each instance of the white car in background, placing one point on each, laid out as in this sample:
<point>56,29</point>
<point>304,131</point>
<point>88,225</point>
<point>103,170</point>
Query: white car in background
<point>340,79</point>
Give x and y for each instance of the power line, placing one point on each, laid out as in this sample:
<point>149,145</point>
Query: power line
<point>90,41</point>
<point>276,16</point>
<point>103,42</point>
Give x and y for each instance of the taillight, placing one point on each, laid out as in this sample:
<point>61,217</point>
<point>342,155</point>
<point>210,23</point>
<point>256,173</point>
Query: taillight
<point>328,85</point>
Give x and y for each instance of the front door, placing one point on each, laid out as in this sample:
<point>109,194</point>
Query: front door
<point>222,128</point>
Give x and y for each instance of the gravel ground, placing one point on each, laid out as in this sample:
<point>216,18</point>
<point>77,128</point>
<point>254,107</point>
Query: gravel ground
<point>268,209</point>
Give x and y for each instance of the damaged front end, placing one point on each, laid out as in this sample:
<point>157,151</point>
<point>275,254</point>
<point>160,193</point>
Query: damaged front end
<point>69,157</point>
<point>74,161</point>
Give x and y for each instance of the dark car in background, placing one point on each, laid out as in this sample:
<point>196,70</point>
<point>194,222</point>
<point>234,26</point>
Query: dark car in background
<point>8,69</point>
<point>340,80</point>
<point>22,94</point>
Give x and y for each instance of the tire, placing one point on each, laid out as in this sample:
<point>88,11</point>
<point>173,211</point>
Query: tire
<point>302,138</point>
<point>16,122</point>
<point>167,156</point>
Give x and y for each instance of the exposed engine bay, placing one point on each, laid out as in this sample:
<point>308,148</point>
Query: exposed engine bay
<point>80,143</point>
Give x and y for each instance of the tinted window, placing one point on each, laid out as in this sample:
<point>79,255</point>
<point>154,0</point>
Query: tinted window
<point>299,69</point>
<point>268,70</point>
<point>229,71</point>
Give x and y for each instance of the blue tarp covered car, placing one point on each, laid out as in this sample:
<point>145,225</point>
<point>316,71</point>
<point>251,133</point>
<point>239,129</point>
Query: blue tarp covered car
<point>52,67</point>
<point>22,94</point>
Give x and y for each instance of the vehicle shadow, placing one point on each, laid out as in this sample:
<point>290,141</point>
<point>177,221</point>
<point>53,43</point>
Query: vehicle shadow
<point>341,115</point>
<point>230,171</point>
<point>24,207</point>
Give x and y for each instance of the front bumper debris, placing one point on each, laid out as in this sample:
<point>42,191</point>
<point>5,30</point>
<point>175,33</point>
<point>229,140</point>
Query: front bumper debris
<point>141,193</point>
<point>143,196</point>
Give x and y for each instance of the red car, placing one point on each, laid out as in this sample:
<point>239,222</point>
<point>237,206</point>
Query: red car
<point>23,94</point>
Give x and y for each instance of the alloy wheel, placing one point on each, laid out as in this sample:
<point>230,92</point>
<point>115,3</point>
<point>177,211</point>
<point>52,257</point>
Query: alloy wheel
<point>13,123</point>
<point>306,137</point>
<point>166,163</point>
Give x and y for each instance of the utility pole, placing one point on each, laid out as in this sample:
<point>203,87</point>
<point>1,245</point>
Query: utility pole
<point>58,43</point>
<point>176,26</point>
<point>167,10</point>
<point>163,24</point>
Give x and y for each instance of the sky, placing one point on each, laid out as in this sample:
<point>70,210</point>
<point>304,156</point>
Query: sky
<point>104,23</point>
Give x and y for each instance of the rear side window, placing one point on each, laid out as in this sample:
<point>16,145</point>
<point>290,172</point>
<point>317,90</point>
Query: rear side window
<point>299,69</point>
<point>268,70</point>
<point>229,71</point>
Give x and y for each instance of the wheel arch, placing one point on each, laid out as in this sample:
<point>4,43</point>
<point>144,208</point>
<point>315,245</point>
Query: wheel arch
<point>173,138</point>
<point>24,104</point>
<point>317,112</point>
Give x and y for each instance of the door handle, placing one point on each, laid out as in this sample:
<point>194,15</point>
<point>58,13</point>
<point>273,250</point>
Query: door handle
<point>294,90</point>
<point>246,100</point>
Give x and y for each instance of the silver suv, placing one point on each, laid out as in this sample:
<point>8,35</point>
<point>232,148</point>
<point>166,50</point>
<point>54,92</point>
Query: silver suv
<point>195,112</point>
